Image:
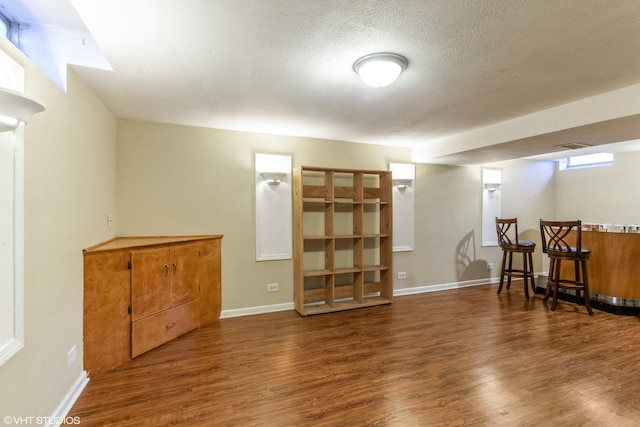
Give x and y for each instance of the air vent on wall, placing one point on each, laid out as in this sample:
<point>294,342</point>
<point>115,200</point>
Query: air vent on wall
<point>573,145</point>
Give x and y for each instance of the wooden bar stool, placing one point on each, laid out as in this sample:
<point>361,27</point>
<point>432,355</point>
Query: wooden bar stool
<point>507,230</point>
<point>557,239</point>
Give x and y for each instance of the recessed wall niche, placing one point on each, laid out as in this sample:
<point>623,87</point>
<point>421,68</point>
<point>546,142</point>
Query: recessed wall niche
<point>273,207</point>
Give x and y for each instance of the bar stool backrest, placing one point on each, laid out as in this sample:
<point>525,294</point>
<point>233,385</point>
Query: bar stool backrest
<point>507,229</point>
<point>554,236</point>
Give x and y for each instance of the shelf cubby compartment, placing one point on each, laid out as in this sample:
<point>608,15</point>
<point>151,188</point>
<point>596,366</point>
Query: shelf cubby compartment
<point>318,288</point>
<point>317,219</point>
<point>318,254</point>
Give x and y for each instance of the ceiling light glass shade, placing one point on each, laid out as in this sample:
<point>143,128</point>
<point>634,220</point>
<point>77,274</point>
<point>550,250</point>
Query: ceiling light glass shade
<point>16,108</point>
<point>380,69</point>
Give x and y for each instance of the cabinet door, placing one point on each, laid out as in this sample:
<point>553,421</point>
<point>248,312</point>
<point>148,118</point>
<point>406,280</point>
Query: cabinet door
<point>185,273</point>
<point>107,323</point>
<point>150,282</point>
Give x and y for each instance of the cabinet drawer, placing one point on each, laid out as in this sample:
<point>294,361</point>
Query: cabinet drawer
<point>159,328</point>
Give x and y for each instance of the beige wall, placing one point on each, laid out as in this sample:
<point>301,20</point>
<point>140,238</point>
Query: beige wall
<point>183,180</point>
<point>606,194</point>
<point>448,233</point>
<point>529,194</point>
<point>69,189</point>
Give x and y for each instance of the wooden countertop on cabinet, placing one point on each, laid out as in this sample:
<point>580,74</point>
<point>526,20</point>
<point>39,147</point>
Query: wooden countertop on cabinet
<point>140,292</point>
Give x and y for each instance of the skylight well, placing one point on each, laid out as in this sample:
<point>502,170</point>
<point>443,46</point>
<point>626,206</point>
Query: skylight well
<point>4,26</point>
<point>51,46</point>
<point>585,161</point>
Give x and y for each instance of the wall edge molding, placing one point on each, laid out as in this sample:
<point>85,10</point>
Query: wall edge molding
<point>261,309</point>
<point>249,311</point>
<point>445,286</point>
<point>68,400</point>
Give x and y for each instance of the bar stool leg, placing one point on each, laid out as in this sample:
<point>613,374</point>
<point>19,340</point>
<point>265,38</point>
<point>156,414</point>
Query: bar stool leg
<point>556,281</point>
<point>504,259</point>
<point>576,266</point>
<point>533,283</point>
<point>547,292</point>
<point>585,279</point>
<point>525,274</point>
<point>509,270</point>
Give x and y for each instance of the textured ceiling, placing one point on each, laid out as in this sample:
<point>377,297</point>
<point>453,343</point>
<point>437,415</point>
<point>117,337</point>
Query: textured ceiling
<point>285,67</point>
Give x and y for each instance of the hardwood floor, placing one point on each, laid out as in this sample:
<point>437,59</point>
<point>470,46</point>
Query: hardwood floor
<point>464,357</point>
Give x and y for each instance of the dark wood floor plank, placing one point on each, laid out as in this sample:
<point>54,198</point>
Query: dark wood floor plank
<point>461,357</point>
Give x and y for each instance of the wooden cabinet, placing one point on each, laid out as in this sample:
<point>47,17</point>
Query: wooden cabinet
<point>141,292</point>
<point>342,239</point>
<point>162,279</point>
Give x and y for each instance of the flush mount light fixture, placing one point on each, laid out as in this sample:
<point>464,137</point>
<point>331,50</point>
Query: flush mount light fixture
<point>380,69</point>
<point>16,108</point>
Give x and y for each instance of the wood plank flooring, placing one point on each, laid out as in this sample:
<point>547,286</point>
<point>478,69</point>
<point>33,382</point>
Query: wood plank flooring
<point>464,357</point>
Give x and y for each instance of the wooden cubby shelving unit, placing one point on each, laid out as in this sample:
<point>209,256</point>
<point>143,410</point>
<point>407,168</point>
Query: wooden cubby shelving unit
<point>342,239</point>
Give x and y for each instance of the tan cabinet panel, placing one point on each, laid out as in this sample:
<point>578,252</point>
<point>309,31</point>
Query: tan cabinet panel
<point>185,273</point>
<point>150,278</point>
<point>161,327</point>
<point>107,322</point>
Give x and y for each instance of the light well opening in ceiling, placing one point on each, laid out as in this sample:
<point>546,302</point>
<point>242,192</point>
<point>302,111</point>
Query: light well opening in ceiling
<point>585,161</point>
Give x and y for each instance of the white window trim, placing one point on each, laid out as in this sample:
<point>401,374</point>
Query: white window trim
<point>12,77</point>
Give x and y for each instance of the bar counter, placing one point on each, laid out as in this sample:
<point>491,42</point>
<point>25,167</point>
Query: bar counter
<point>613,267</point>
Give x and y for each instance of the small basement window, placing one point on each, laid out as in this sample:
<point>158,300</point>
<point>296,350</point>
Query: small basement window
<point>585,161</point>
<point>5,26</point>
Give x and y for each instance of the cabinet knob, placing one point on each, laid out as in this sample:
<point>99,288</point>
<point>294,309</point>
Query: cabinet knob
<point>171,325</point>
<point>175,268</point>
<point>166,270</point>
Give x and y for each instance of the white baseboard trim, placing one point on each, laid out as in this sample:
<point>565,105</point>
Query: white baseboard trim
<point>444,286</point>
<point>67,402</point>
<point>248,311</point>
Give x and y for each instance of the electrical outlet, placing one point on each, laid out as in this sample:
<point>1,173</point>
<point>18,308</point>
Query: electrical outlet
<point>272,287</point>
<point>402,275</point>
<point>489,266</point>
<point>109,220</point>
<point>71,355</point>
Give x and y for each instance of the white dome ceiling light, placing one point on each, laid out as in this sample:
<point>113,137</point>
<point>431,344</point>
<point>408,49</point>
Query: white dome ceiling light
<point>380,69</point>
